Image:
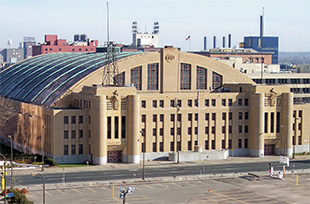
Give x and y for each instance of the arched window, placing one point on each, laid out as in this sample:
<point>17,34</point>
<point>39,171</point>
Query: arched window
<point>136,79</point>
<point>201,78</point>
<point>217,80</point>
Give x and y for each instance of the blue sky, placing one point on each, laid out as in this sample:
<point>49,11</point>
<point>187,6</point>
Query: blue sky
<point>288,19</point>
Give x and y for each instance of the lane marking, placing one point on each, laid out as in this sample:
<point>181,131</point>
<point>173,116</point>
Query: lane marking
<point>76,190</point>
<point>228,197</point>
<point>62,192</point>
<point>149,186</point>
<point>48,193</point>
<point>92,190</point>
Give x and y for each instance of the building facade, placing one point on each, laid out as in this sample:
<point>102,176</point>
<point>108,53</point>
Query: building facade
<point>269,44</point>
<point>12,55</point>
<point>169,101</point>
<point>52,44</point>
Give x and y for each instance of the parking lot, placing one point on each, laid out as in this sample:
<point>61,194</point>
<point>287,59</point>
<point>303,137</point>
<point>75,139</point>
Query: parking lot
<point>244,189</point>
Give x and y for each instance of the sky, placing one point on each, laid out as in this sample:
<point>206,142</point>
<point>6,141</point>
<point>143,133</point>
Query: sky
<point>287,19</point>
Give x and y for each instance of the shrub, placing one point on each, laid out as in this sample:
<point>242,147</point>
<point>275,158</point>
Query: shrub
<point>19,197</point>
<point>51,162</point>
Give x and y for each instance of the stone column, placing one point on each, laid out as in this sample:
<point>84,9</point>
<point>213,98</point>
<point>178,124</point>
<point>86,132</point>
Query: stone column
<point>286,125</point>
<point>99,143</point>
<point>133,129</point>
<point>256,126</point>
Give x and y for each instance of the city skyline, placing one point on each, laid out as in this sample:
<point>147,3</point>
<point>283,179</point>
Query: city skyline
<point>178,20</point>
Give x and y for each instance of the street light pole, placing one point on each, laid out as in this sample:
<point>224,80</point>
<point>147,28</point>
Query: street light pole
<point>4,175</point>
<point>43,187</point>
<point>12,183</point>
<point>44,128</point>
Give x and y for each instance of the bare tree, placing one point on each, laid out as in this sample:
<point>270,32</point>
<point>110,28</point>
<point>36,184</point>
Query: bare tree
<point>7,112</point>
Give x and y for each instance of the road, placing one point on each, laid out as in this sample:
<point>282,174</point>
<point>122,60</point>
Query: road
<point>154,172</point>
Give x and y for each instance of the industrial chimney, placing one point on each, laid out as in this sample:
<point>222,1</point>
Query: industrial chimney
<point>205,43</point>
<point>229,40</point>
<point>223,41</point>
<point>214,42</point>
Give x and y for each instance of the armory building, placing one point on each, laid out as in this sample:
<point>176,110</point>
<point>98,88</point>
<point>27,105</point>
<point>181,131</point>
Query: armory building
<point>168,101</point>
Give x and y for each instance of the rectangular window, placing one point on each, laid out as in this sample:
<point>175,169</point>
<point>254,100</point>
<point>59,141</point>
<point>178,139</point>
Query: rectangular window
<point>229,102</point>
<point>120,78</point>
<point>154,146</point>
<point>136,77</point>
<point>89,134</point>
<point>155,118</point>
<point>161,117</point>
<point>66,151</point>
<point>278,122</point>
<point>143,104</point>
<point>154,131</point>
<point>213,144</point>
<point>223,129</point>
<point>207,130</point>
<point>171,117</point>
<point>223,116</point>
<point>196,116</point>
<point>161,147</point>
<point>230,129</point>
<point>142,147</point>
<point>109,128</point>
<point>185,77</point>
<point>143,118</point>
<point>154,103</point>
<point>123,126</point>
<point>240,115</point>
<point>266,123</point>
<point>213,116</point>
<point>189,117</point>
<point>246,115</point>
<point>80,133</point>
<point>73,134</point>
<point>223,102</point>
<point>230,116</point>
<point>223,144</point>
<point>171,146</point>
<point>189,145</point>
<point>240,129</point>
<point>161,131</point>
<point>171,131</point>
<point>66,120</point>
<point>207,116</point>
<point>72,119</point>
<point>206,144</point>
<point>172,103</point>
<point>196,130</point>
<point>246,102</point>
<point>272,123</point>
<point>240,102</point>
<point>239,143</point>
<point>73,150</point>
<point>201,75</point>
<point>80,119</point>
<point>179,146</point>
<point>116,132</point>
<point>178,131</point>
<point>189,103</point>
<point>89,119</point>
<point>161,103</point>
<point>207,102</point>
<point>213,130</point>
<point>213,102</point>
<point>246,129</point>
<point>66,134</point>
<point>229,144</point>
<point>179,103</point>
<point>245,143</point>
<point>80,149</point>
<point>152,76</point>
<point>189,130</point>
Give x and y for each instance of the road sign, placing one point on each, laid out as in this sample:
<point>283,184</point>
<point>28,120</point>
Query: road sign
<point>285,161</point>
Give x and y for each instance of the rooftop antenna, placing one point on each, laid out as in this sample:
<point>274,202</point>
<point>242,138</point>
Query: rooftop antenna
<point>110,70</point>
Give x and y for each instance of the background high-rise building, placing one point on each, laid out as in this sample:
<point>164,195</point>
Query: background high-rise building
<point>27,46</point>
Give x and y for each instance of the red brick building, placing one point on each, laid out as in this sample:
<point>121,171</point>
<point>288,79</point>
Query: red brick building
<point>52,44</point>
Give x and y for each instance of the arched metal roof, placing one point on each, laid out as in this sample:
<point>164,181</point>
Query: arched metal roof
<point>43,79</point>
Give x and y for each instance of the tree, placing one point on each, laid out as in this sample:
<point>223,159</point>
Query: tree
<point>7,112</point>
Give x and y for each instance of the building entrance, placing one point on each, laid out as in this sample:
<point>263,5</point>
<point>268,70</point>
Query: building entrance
<point>269,149</point>
<point>114,156</point>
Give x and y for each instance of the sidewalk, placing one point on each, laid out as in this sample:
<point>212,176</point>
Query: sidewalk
<point>153,164</point>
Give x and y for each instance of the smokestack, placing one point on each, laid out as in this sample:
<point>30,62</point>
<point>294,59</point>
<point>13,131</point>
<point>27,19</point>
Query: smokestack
<point>205,43</point>
<point>223,41</point>
<point>214,42</point>
<point>229,40</point>
<point>261,26</point>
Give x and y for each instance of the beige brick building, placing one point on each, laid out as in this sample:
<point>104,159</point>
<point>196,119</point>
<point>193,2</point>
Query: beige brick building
<point>169,101</point>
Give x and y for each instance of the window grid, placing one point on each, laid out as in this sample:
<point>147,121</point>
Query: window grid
<point>201,78</point>
<point>136,76</point>
<point>185,76</point>
<point>152,76</point>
